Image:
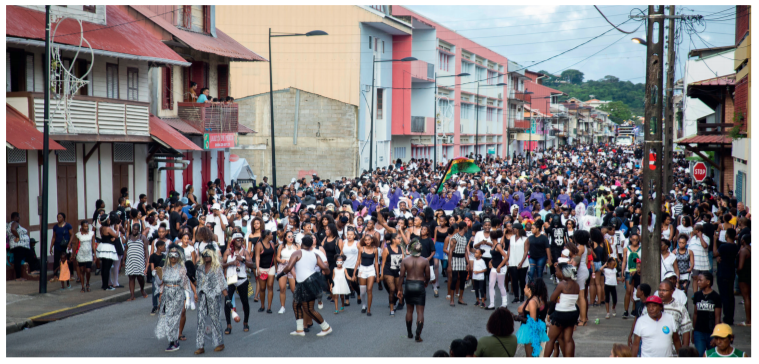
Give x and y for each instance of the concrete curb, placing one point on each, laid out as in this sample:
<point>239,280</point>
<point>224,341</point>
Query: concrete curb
<point>13,327</point>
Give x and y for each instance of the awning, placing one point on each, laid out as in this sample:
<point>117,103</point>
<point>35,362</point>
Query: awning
<point>168,137</point>
<point>22,134</point>
<point>222,45</point>
<point>707,139</point>
<point>181,126</point>
<point>526,137</point>
<point>122,37</point>
<point>242,129</point>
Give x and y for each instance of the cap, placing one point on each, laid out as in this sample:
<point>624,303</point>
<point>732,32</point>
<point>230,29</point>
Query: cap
<point>237,236</point>
<point>215,206</point>
<point>654,299</point>
<point>722,330</point>
<point>670,274</point>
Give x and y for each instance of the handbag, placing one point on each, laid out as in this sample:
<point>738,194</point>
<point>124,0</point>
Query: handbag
<point>265,275</point>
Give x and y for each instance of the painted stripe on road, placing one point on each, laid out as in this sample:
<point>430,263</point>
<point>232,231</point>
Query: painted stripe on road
<point>257,332</point>
<point>66,309</point>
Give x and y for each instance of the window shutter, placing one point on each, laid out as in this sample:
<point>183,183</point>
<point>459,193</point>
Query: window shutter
<point>187,16</point>
<point>223,80</point>
<point>370,45</point>
<point>206,19</point>
<point>168,94</point>
<point>29,72</point>
<point>8,71</point>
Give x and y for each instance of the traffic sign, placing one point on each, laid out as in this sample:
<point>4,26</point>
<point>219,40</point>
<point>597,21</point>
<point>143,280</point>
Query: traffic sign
<point>699,172</point>
<point>652,161</point>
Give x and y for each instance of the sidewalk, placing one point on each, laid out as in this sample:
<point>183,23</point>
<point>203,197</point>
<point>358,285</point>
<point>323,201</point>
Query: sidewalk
<point>25,307</point>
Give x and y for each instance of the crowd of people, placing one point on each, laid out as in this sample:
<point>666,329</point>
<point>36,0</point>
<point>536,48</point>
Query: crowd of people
<point>575,210</point>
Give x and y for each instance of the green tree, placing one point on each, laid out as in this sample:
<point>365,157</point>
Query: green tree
<point>618,111</point>
<point>610,78</point>
<point>573,76</point>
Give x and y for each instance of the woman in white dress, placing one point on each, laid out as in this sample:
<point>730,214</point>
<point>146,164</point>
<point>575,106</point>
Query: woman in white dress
<point>82,246</point>
<point>284,251</point>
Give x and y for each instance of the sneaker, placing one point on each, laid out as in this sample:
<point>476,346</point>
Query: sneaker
<point>325,333</point>
<point>321,305</point>
<point>110,289</point>
<point>153,312</point>
<point>192,305</point>
<point>607,315</point>
<point>295,333</point>
<point>173,347</point>
<point>392,313</point>
<point>625,315</point>
<point>281,310</point>
<point>614,312</point>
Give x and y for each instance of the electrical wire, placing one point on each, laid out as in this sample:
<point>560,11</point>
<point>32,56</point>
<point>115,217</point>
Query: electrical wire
<point>612,24</point>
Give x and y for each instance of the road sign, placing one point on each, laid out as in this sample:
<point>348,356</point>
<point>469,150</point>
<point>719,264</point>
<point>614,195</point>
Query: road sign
<point>699,172</point>
<point>652,161</point>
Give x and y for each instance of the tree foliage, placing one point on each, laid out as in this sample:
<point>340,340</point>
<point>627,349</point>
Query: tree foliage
<point>618,111</point>
<point>574,77</point>
<point>607,88</point>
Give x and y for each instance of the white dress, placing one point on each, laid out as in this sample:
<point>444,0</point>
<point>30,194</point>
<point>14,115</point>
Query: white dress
<point>341,283</point>
<point>84,255</point>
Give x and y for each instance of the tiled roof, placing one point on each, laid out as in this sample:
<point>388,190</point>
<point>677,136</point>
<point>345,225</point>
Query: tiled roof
<point>728,80</point>
<point>181,126</point>
<point>707,139</point>
<point>23,134</point>
<point>242,129</point>
<point>166,134</point>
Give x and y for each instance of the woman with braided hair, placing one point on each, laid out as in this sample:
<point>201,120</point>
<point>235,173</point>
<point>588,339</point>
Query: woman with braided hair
<point>212,288</point>
<point>173,299</point>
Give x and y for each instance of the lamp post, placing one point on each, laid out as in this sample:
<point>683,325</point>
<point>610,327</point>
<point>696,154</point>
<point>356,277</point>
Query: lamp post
<point>640,41</point>
<point>312,33</point>
<point>477,117</point>
<point>529,155</point>
<point>435,112</point>
<point>371,108</point>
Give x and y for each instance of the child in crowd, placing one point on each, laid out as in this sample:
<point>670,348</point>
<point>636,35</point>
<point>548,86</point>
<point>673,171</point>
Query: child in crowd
<point>610,285</point>
<point>340,282</point>
<point>157,259</point>
<point>478,277</point>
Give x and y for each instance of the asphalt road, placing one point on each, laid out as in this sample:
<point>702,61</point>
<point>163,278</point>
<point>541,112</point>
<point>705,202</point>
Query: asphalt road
<point>127,330</point>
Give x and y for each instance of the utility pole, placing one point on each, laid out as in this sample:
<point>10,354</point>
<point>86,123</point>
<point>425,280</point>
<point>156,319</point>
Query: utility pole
<point>651,254</point>
<point>45,158</point>
<point>669,114</point>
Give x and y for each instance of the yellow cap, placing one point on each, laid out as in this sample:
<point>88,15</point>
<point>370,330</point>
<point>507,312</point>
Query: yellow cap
<point>722,330</point>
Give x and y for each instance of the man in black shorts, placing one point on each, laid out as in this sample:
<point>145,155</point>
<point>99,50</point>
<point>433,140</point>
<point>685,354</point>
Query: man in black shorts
<point>417,270</point>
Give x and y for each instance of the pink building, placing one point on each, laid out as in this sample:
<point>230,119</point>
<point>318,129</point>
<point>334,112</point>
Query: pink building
<point>474,113</point>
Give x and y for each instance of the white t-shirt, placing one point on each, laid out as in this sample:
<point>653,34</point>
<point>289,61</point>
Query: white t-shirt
<point>479,237</point>
<point>479,264</point>
<point>656,336</point>
<point>217,228</point>
<point>188,252</point>
<point>667,264</point>
<point>610,276</point>
<point>588,221</point>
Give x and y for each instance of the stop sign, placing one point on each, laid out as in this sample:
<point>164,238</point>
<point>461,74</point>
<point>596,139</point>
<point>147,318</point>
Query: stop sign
<point>699,172</point>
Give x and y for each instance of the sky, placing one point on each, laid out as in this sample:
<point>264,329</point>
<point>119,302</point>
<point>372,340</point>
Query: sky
<point>530,34</point>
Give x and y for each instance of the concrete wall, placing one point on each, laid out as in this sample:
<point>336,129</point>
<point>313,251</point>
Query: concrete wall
<point>326,142</point>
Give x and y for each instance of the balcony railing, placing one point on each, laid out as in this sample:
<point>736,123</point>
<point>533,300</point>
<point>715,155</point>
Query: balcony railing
<point>92,115</point>
<point>423,71</point>
<point>520,96</point>
<point>519,124</point>
<point>210,118</point>
<point>713,128</point>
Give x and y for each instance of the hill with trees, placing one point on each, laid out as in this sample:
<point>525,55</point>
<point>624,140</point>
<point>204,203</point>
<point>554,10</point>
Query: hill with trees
<point>627,97</point>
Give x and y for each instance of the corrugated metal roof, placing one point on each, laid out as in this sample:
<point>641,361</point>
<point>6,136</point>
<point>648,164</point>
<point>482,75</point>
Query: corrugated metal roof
<point>181,126</point>
<point>24,134</point>
<point>244,129</point>
<point>222,45</point>
<point>727,80</point>
<point>707,139</point>
<point>166,134</point>
<point>121,35</point>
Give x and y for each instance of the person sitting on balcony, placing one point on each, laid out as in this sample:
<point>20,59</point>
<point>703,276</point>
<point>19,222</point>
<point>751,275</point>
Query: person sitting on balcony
<point>193,93</point>
<point>204,96</point>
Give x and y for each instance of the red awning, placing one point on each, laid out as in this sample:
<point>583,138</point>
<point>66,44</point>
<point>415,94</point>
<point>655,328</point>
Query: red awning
<point>167,135</point>
<point>181,126</point>
<point>707,139</point>
<point>21,132</point>
<point>121,34</point>
<point>222,45</point>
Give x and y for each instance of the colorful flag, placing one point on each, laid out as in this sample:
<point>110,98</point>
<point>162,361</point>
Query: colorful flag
<point>458,165</point>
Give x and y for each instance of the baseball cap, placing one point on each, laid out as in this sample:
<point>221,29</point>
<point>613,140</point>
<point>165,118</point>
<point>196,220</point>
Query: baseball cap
<point>237,236</point>
<point>654,299</point>
<point>722,330</point>
<point>215,206</point>
<point>670,274</point>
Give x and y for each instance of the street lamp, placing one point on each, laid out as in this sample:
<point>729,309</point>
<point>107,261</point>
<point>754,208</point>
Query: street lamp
<point>639,41</point>
<point>371,108</point>
<point>271,111</point>
<point>477,117</point>
<point>435,112</point>
<point>529,155</point>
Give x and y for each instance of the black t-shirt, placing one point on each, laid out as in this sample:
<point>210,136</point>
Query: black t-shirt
<point>192,223</point>
<point>558,236</point>
<point>726,266</point>
<point>704,306</point>
<point>428,247</point>
<point>538,246</point>
<point>709,230</point>
<point>157,260</point>
<point>174,219</point>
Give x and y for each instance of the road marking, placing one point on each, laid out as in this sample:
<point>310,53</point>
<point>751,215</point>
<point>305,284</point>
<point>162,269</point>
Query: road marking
<point>65,309</point>
<point>257,332</point>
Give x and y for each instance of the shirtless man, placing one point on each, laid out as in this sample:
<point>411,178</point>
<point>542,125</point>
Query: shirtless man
<point>416,270</point>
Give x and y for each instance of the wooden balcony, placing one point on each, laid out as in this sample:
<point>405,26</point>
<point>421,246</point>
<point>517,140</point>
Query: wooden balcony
<point>520,124</point>
<point>210,117</point>
<point>520,96</point>
<point>88,115</point>
<point>713,129</point>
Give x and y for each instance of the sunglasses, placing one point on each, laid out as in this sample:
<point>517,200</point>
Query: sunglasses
<point>173,255</point>
<point>206,254</point>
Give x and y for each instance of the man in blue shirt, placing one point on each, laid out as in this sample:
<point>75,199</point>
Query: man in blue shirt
<point>186,208</point>
<point>204,95</point>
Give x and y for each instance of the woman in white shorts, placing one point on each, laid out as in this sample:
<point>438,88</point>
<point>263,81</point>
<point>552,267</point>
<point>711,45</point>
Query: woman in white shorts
<point>367,267</point>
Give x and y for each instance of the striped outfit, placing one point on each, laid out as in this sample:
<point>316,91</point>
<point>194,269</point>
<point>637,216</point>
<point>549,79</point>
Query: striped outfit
<point>458,260</point>
<point>135,258</point>
<point>700,255</point>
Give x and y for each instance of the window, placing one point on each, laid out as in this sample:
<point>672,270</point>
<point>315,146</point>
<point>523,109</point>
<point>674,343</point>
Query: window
<point>399,152</point>
<point>223,80</point>
<point>380,97</point>
<point>383,46</point>
<point>167,92</point>
<point>19,71</point>
<point>489,116</point>
<point>376,44</point>
<point>481,73</point>
<point>112,81</point>
<point>466,111</point>
<point>444,61</point>
<point>30,72</point>
<point>187,16</point>
<point>81,69</point>
<point>88,8</point>
<point>133,82</point>
<point>492,78</point>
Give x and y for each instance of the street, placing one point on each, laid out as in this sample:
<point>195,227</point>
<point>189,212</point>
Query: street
<point>126,330</point>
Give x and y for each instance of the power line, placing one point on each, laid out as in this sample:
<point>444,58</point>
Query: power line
<point>612,24</point>
<point>615,42</point>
